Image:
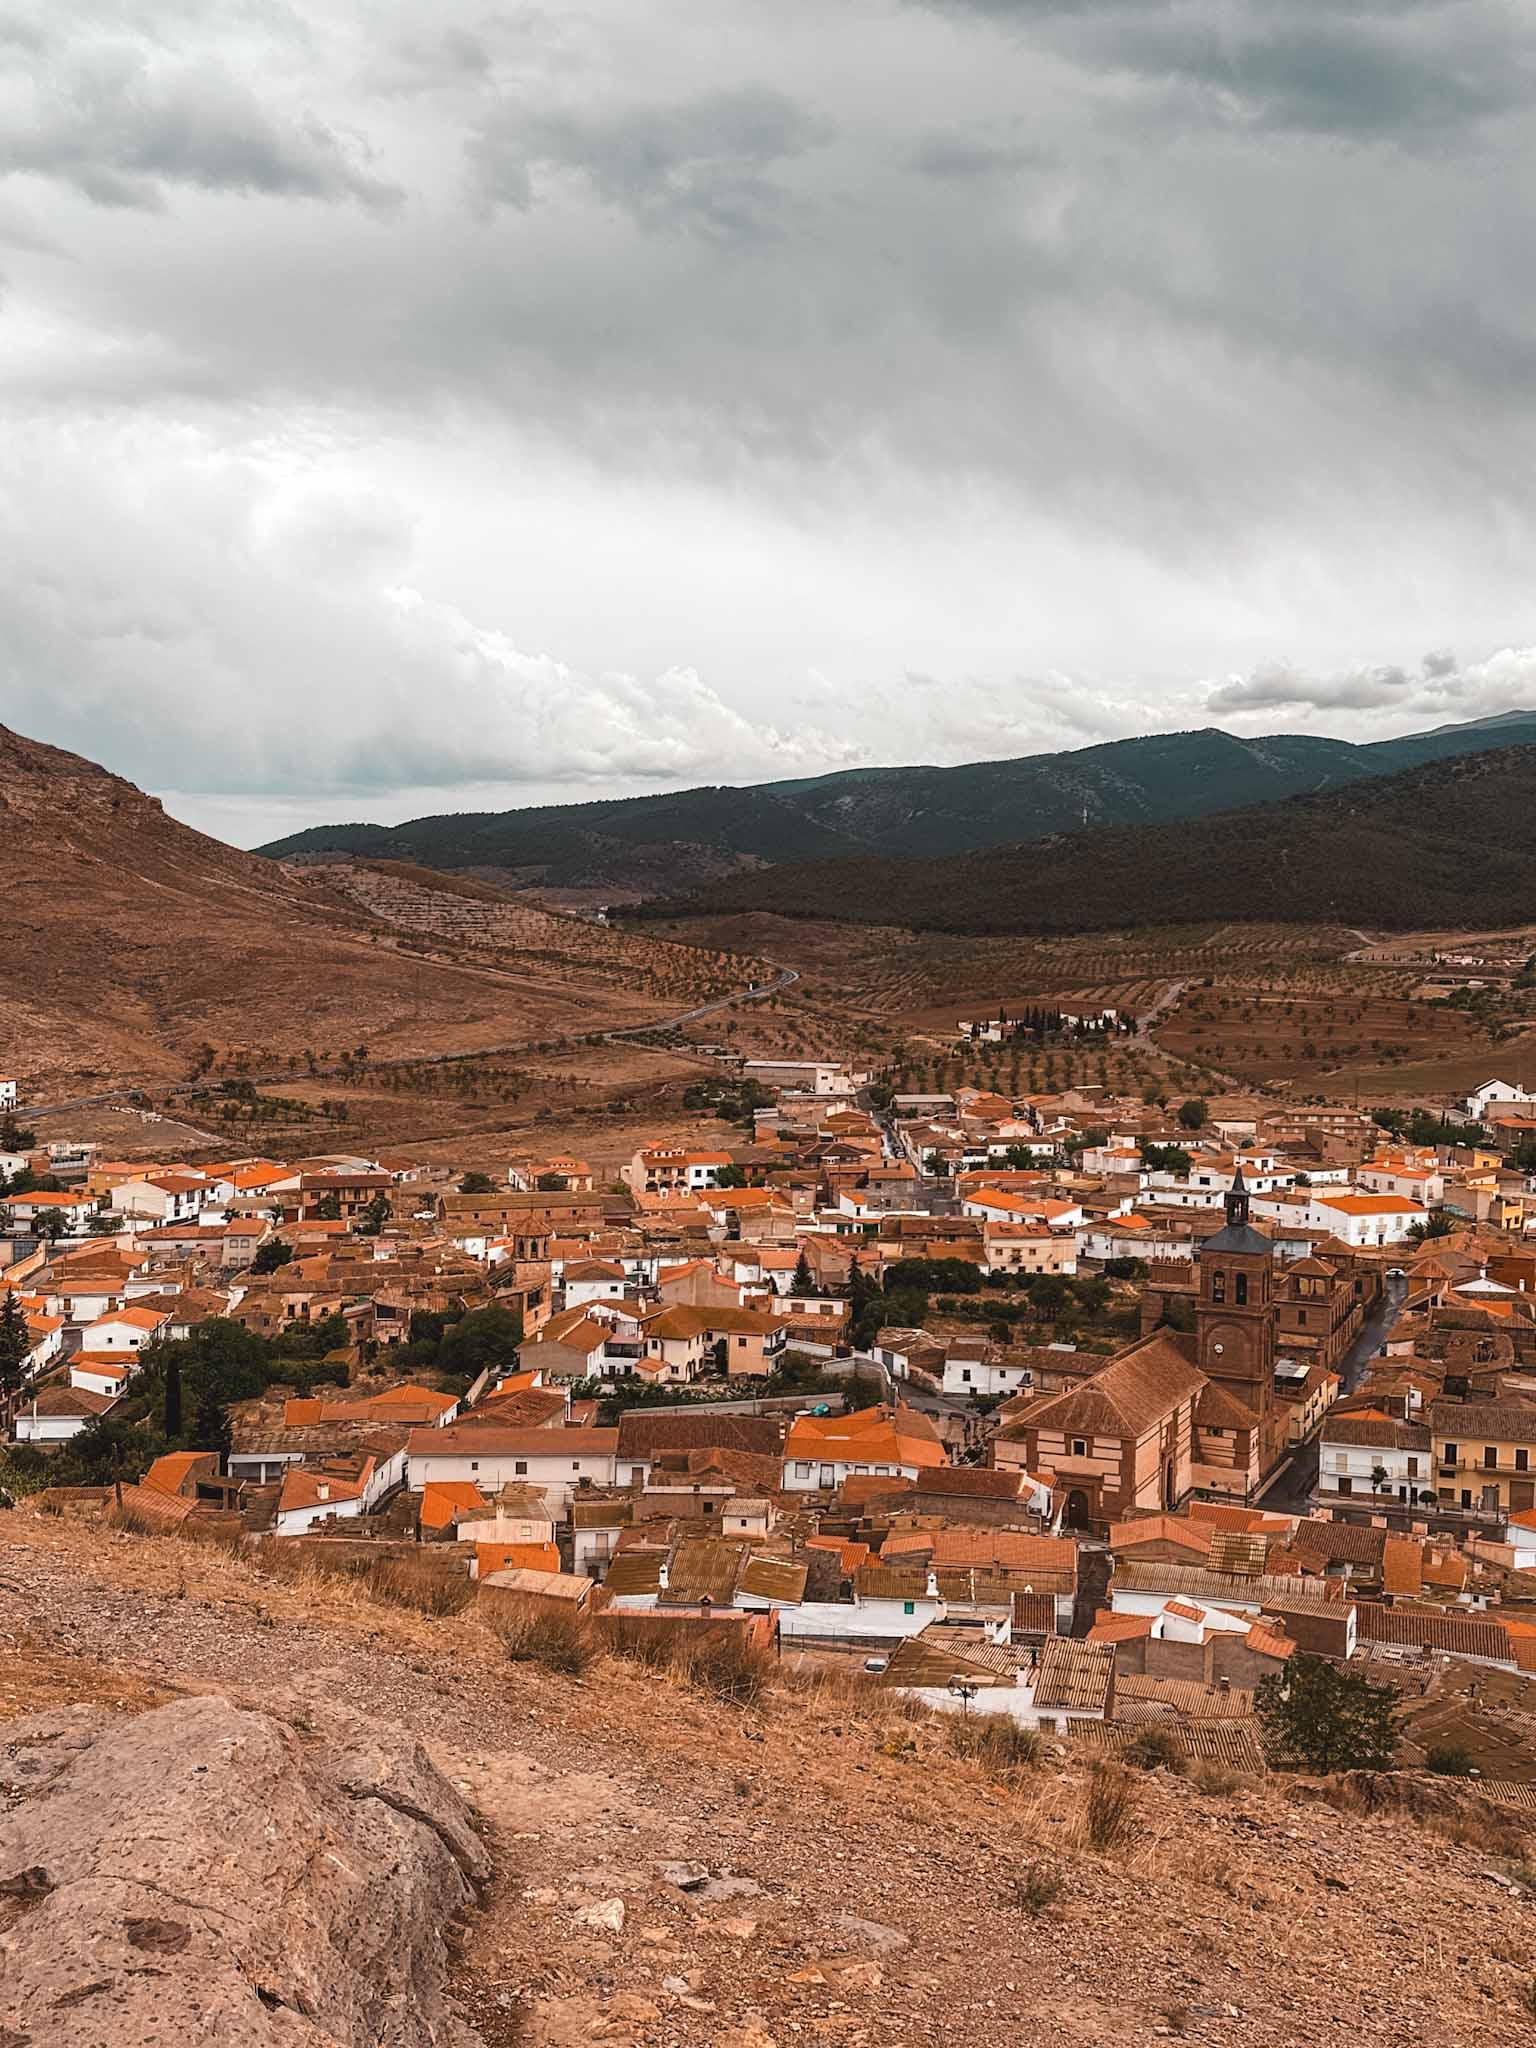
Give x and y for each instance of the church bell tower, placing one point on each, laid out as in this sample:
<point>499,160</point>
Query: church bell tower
<point>1235,1308</point>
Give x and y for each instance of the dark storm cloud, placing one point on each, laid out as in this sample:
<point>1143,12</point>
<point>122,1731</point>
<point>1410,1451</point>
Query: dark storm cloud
<point>958,154</point>
<point>1397,70</point>
<point>703,163</point>
<point>121,123</point>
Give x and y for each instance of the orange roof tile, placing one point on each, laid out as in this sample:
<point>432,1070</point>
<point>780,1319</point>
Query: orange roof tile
<point>442,1499</point>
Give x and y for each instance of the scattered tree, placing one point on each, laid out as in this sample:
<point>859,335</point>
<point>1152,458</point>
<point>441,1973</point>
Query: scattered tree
<point>15,1344</point>
<point>271,1253</point>
<point>477,1184</point>
<point>1193,1114</point>
<point>1318,1718</point>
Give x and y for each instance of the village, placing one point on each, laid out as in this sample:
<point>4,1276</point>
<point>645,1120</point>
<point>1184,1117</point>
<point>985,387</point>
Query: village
<point>1087,1413</point>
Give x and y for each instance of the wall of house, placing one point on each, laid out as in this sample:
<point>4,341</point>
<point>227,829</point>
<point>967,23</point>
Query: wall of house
<point>559,1474</point>
<point>295,1521</point>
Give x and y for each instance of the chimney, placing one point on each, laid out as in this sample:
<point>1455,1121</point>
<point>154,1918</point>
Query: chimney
<point>932,1588</point>
<point>323,1490</point>
<point>664,1579</point>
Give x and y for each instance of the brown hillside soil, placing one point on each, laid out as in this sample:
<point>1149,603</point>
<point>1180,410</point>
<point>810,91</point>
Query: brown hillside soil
<point>872,1884</point>
<point>133,941</point>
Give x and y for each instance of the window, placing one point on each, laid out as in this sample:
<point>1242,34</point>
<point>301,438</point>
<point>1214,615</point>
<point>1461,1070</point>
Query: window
<point>802,1471</point>
<point>1522,1459</point>
<point>520,1467</point>
<point>1301,1319</point>
<point>1490,1457</point>
<point>1218,1286</point>
<point>1242,1289</point>
<point>1452,1454</point>
<point>1079,1447</point>
<point>474,1464</point>
<point>965,1373</point>
<point>1413,1468</point>
<point>909,1607</point>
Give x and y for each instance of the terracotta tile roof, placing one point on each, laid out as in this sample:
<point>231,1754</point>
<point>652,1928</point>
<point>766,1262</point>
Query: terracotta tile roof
<point>1189,1535</point>
<point>1189,1697</point>
<point>642,1435</point>
<point>1185,1610</point>
<point>973,1482</point>
<point>1266,1641</point>
<point>1075,1677</point>
<point>1128,1396</point>
<point>1402,1565</point>
<point>145,1508</point>
<point>1034,1614</point>
<point>872,1436</point>
<point>1120,1628</point>
<point>514,1557</point>
<point>1237,1551</point>
<point>1420,1628</point>
<point>1220,1516</point>
<point>1339,1543</point>
<point>168,1473</point>
<point>443,1499</point>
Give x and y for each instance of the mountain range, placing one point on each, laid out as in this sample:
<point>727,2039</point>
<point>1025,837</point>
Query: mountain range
<point>1443,845</point>
<point>659,845</point>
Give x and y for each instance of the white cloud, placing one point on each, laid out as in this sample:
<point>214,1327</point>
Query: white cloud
<point>886,382</point>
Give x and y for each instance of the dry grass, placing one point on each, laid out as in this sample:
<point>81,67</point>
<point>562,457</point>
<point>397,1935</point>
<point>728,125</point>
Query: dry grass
<point>994,1741</point>
<point>1037,1888</point>
<point>1155,1749</point>
<point>1216,1780</point>
<point>422,1582</point>
<point>722,1661</point>
<point>554,1638</point>
<point>1109,1808</point>
<point>412,1582</point>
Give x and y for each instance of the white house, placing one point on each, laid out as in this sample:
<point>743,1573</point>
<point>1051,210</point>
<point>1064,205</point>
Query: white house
<point>339,1488</point>
<point>160,1198</point>
<point>820,1452</point>
<point>1353,1450</point>
<point>592,1280</point>
<point>1028,1248</point>
<point>94,1372</point>
<point>1002,1205</point>
<point>1497,1095</point>
<point>53,1415</point>
<point>968,1370</point>
<point>1365,1219</point>
<point>1418,1183</point>
<point>24,1211</point>
<point>7,1092</point>
<point>490,1457</point>
<point>124,1329</point>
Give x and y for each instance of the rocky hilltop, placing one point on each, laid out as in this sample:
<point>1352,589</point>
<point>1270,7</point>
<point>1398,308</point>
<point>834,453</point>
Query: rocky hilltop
<point>205,1873</point>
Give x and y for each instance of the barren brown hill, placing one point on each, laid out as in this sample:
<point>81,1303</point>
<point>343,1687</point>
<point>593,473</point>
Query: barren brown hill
<point>134,941</point>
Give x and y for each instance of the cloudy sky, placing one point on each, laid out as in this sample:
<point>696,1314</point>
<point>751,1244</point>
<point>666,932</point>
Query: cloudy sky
<point>420,407</point>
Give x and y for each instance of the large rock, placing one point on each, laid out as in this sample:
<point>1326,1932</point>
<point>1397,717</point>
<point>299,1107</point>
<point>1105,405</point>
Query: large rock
<point>204,1873</point>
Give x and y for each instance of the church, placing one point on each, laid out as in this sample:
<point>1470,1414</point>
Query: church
<point>1177,1413</point>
